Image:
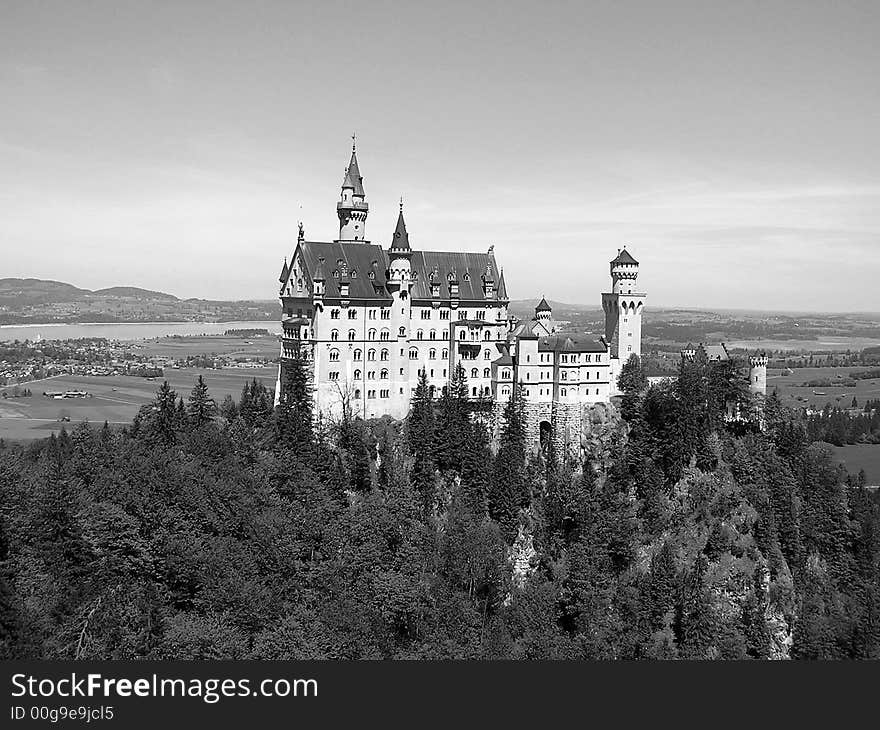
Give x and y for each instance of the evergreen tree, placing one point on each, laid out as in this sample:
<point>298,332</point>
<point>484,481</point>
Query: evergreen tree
<point>509,492</point>
<point>201,407</point>
<point>631,382</point>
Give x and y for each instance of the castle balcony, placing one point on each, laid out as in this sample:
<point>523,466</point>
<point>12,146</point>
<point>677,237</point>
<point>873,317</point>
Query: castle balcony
<point>353,205</point>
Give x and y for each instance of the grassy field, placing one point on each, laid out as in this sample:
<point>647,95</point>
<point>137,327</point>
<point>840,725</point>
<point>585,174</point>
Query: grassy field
<point>862,456</point>
<point>114,399</point>
<point>794,394</point>
<point>265,346</point>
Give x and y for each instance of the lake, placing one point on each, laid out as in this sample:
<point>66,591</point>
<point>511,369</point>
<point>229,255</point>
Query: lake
<point>126,330</point>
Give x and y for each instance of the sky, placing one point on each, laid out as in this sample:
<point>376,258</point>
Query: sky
<point>731,147</point>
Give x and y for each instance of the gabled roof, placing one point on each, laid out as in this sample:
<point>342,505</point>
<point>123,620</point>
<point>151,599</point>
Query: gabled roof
<point>624,257</point>
<point>568,343</point>
<point>357,262</point>
<point>353,177</point>
<point>465,268</point>
<point>543,306</point>
<point>505,359</point>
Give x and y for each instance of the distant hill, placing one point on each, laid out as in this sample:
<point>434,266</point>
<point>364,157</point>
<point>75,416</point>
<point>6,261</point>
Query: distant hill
<point>528,305</point>
<point>15,293</point>
<point>134,291</point>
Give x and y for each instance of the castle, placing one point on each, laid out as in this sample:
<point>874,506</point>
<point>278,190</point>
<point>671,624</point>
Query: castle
<point>370,319</point>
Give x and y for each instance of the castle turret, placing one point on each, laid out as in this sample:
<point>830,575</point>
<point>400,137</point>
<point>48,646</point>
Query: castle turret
<point>758,374</point>
<point>623,309</point>
<point>352,207</point>
<point>318,281</point>
<point>399,255</point>
<point>543,311</point>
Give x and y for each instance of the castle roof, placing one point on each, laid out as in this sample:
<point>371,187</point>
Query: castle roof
<point>400,240</point>
<point>505,359</point>
<point>502,287</point>
<point>624,257</point>
<point>285,272</point>
<point>568,343</point>
<point>543,306</point>
<point>353,177</point>
<point>361,259</point>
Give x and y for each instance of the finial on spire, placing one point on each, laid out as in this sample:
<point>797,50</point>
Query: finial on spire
<point>353,141</point>
<point>302,231</point>
<point>401,204</point>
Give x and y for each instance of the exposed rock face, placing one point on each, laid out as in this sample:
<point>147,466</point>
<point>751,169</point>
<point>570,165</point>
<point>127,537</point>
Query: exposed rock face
<point>601,428</point>
<point>522,555</point>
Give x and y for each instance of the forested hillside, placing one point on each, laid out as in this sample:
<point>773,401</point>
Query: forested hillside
<point>259,533</point>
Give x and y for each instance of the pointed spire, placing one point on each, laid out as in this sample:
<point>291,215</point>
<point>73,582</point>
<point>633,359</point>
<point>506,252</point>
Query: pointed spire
<point>400,241</point>
<point>502,287</point>
<point>284,272</point>
<point>353,179</point>
<point>543,306</point>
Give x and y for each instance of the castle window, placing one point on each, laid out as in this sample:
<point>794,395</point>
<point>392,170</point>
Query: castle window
<point>474,392</point>
<point>352,314</point>
<point>372,314</point>
<point>354,273</point>
<point>562,391</point>
<point>384,374</point>
<point>467,277</point>
<point>334,375</point>
<point>505,374</point>
<point>486,373</point>
<point>357,393</point>
<point>413,354</point>
<point>564,375</point>
<point>473,372</point>
<point>371,394</point>
<point>565,358</point>
<point>432,335</point>
<point>444,314</point>
<point>588,358</point>
<point>334,355</point>
<point>426,314</point>
<point>487,354</point>
<point>386,314</point>
<point>357,354</point>
<point>371,275</point>
<point>335,274</point>
<point>462,314</point>
<point>402,332</point>
<point>334,314</point>
<point>384,393</point>
<point>420,335</point>
<point>334,335</point>
<point>384,335</point>
<point>481,315</point>
<point>462,334</point>
<point>487,335</point>
<point>445,353</point>
<point>357,374</point>
<point>371,334</point>
<point>432,355</point>
<point>351,335</point>
<point>383,355</point>
<point>505,391</point>
<point>371,354</point>
<point>371,375</point>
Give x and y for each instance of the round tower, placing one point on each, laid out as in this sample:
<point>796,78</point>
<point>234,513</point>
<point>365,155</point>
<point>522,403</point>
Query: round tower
<point>758,374</point>
<point>352,207</point>
<point>623,307</point>
<point>543,311</point>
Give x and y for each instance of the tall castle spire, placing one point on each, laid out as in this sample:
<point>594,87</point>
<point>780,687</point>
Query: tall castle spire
<point>352,207</point>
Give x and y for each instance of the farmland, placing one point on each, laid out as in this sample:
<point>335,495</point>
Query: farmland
<point>115,398</point>
<point>862,456</point>
<point>790,387</point>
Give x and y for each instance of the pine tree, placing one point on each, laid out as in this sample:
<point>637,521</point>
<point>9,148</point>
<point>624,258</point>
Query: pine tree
<point>631,382</point>
<point>453,422</point>
<point>294,416</point>
<point>201,407</point>
<point>420,422</point>
<point>509,491</point>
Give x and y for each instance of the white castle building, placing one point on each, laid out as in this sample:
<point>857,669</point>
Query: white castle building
<point>369,319</point>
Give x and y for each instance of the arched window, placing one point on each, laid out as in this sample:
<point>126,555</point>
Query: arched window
<point>445,354</point>
<point>351,335</point>
<point>357,374</point>
<point>334,335</point>
<point>462,334</point>
<point>505,375</point>
<point>420,335</point>
<point>384,374</point>
<point>383,355</point>
<point>432,335</point>
<point>334,355</point>
<point>357,393</point>
<point>402,332</point>
<point>357,354</point>
<point>413,354</point>
<point>487,354</point>
<point>486,373</point>
<point>371,354</point>
<point>487,335</point>
<point>432,354</point>
<point>371,334</point>
<point>505,391</point>
<point>473,372</point>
